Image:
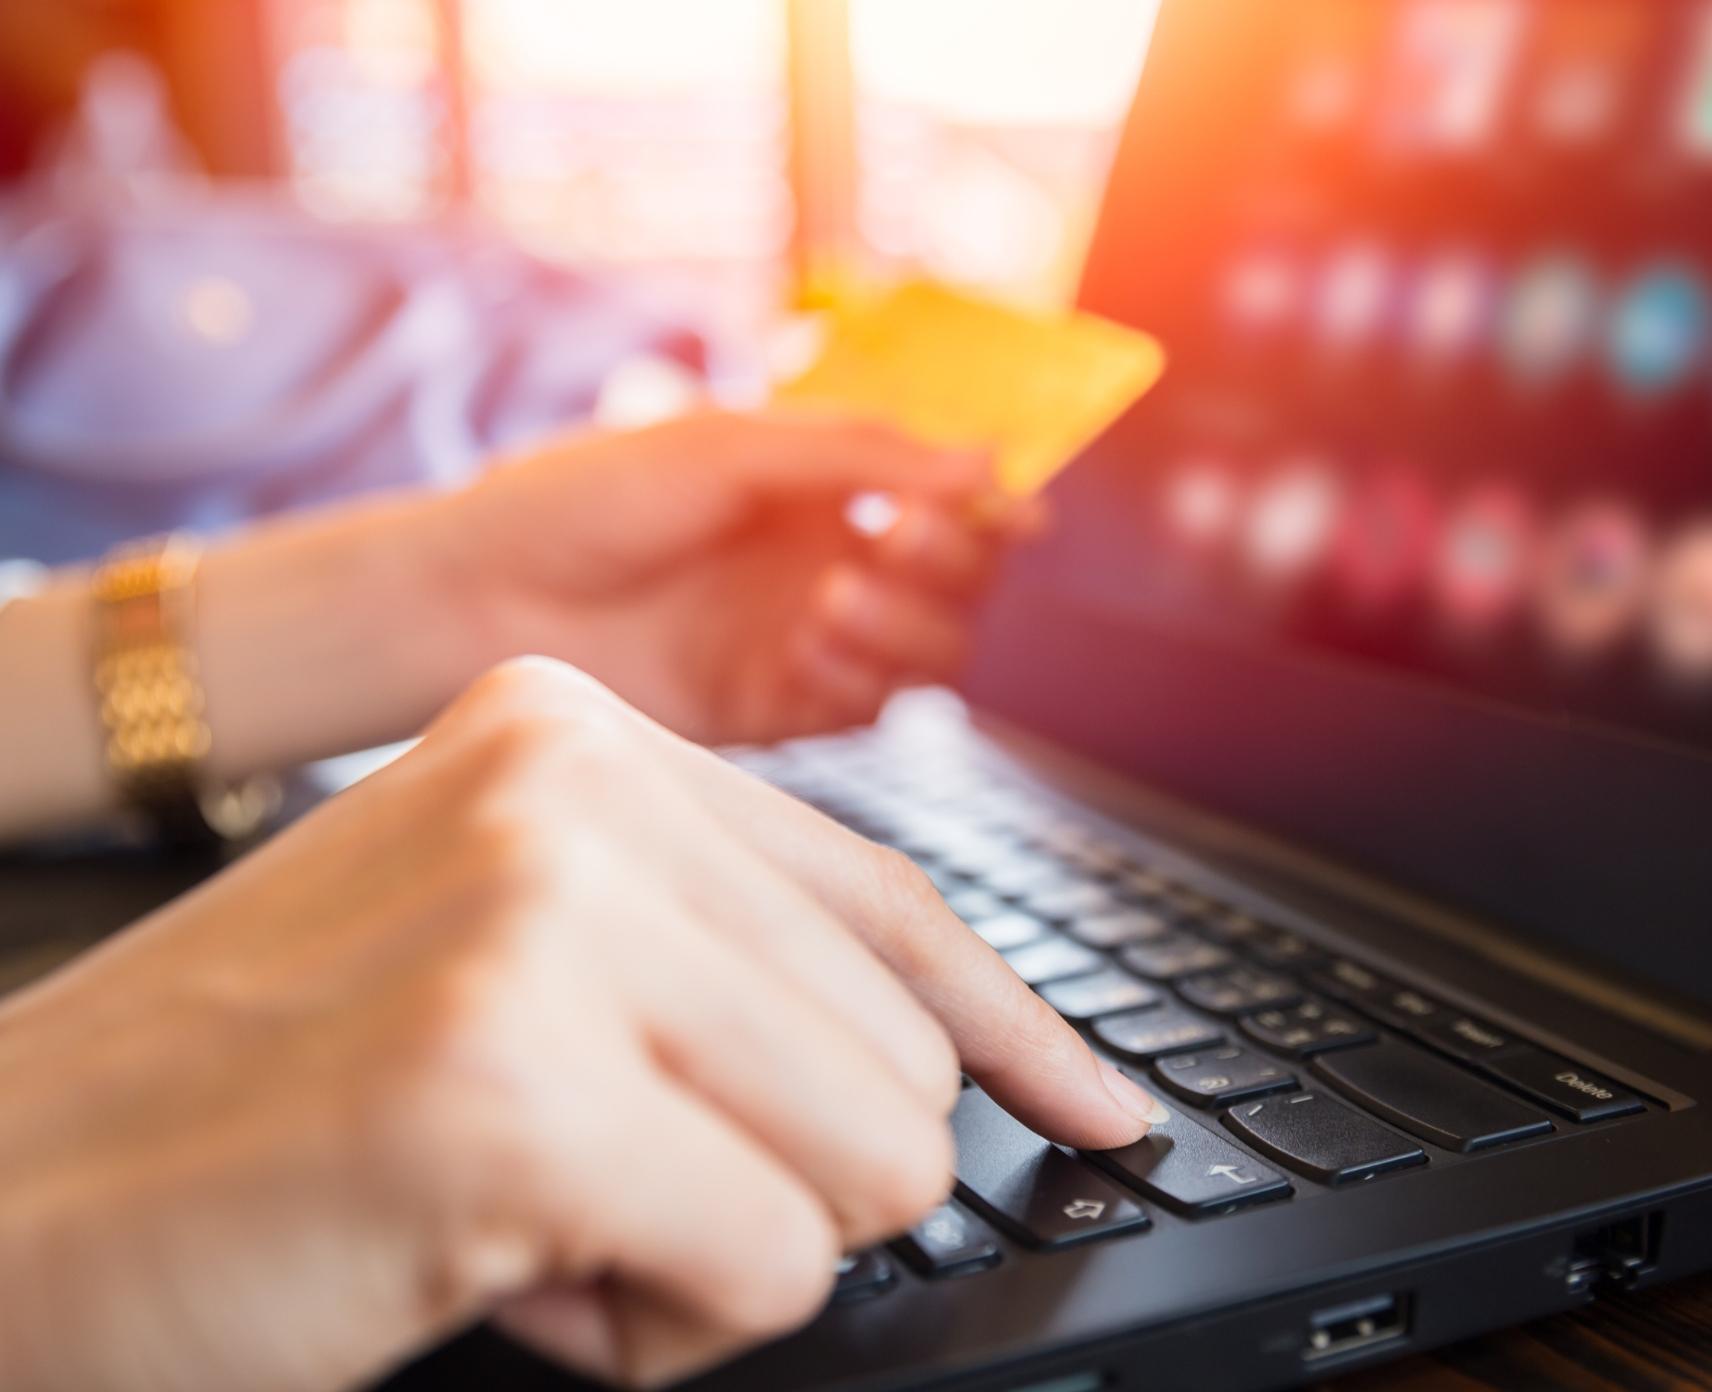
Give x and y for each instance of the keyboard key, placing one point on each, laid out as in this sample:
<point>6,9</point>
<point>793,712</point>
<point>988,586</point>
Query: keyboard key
<point>1238,991</point>
<point>1190,1169</point>
<point>1004,931</point>
<point>1406,1009</point>
<point>1025,873</point>
<point>1316,1136</point>
<point>1309,1028</point>
<point>1280,948</point>
<point>1052,958</point>
<point>1067,901</point>
<point>861,1276</point>
<point>1097,858</point>
<point>1410,1011</point>
<point>918,847</point>
<point>1430,1098</point>
<point>1148,1034</point>
<point>946,880</point>
<point>1144,884</point>
<point>1231,926</point>
<point>1038,1193</point>
<point>1352,982</point>
<point>1176,955</point>
<point>1192,903</point>
<point>1218,1077</point>
<point>971,903</point>
<point>1465,1037</point>
<point>948,1242</point>
<point>1566,1088</point>
<point>1115,929</point>
<point>977,857</point>
<point>1083,998</point>
<point>1065,839</point>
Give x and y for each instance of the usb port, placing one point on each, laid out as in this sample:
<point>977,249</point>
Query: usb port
<point>1358,1325</point>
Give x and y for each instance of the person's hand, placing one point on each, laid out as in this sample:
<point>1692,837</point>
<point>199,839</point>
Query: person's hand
<point>705,568</point>
<point>558,1018</point>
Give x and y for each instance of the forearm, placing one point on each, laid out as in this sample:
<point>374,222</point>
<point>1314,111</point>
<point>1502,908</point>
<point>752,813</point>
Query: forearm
<point>343,631</point>
<point>313,637</point>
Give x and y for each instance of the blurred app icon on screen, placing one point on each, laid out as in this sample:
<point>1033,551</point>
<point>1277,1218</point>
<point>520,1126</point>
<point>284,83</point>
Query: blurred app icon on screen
<point>1658,332</point>
<point>1550,319</point>
<point>1293,519</point>
<point>1385,546</point>
<point>1354,295</point>
<point>1589,52</point>
<point>1263,290</point>
<point>1680,622</point>
<point>1694,122</point>
<point>1594,567</point>
<point>1451,74</point>
<point>1327,79</point>
<point>1201,500</point>
<point>1485,553</point>
<point>1450,306</point>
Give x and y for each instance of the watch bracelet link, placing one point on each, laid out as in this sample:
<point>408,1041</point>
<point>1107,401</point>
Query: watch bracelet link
<point>152,706</point>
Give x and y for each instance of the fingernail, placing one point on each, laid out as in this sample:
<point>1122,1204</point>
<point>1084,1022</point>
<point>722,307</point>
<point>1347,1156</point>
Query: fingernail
<point>1137,1101</point>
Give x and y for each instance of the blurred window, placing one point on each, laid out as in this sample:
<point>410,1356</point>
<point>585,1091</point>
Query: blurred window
<point>657,131</point>
<point>984,132</point>
<point>366,102</point>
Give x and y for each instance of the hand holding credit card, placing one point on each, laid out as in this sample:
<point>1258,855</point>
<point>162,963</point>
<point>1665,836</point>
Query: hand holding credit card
<point>1034,388</point>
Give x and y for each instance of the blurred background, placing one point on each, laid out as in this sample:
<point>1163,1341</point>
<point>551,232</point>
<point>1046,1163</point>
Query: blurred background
<point>1434,279</point>
<point>256,254</point>
<point>738,151</point>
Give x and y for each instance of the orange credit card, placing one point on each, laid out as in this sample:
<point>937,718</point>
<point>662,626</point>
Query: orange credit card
<point>958,371</point>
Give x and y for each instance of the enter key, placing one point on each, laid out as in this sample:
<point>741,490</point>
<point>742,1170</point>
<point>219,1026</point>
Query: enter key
<point>1190,1169</point>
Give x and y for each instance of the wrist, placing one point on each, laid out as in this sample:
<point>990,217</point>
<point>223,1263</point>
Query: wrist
<point>332,633</point>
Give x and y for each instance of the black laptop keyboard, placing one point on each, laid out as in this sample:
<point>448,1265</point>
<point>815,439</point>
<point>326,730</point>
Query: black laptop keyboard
<point>1291,1069</point>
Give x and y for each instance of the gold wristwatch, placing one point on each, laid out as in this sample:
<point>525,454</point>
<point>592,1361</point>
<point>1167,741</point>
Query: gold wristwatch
<point>152,705</point>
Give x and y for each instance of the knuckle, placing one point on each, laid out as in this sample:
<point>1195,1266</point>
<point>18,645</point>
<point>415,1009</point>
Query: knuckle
<point>1062,1052</point>
<point>901,879</point>
<point>528,731</point>
<point>792,1285</point>
<point>539,702</point>
<point>902,911</point>
<point>529,683</point>
<point>935,1070</point>
<point>911,1177</point>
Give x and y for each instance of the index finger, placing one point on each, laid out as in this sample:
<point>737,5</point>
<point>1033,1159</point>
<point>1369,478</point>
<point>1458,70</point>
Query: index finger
<point>1009,1040</point>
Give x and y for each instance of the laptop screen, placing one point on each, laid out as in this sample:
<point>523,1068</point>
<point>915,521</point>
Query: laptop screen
<point>1418,529</point>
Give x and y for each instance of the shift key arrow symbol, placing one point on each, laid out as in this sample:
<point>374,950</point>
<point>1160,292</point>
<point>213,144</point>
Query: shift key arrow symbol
<point>1230,1172</point>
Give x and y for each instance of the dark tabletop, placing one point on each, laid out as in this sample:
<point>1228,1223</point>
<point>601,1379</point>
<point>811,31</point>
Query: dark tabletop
<point>1655,1341</point>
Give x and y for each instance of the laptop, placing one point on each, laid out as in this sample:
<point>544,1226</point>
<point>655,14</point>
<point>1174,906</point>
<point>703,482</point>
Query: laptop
<point>1341,764</point>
